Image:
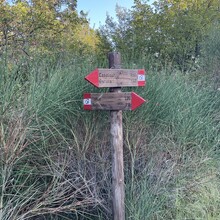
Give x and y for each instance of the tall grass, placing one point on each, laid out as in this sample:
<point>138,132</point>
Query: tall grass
<point>175,151</point>
<point>56,158</point>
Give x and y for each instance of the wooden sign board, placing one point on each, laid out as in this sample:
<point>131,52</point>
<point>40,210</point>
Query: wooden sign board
<point>103,78</point>
<point>112,101</point>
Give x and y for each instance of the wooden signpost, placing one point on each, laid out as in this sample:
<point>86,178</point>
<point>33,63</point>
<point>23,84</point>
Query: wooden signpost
<point>112,101</point>
<point>115,101</point>
<point>104,78</point>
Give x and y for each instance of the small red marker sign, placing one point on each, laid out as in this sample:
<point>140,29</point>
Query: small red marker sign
<point>141,77</point>
<point>112,101</point>
<point>87,103</point>
<point>93,77</point>
<point>136,101</point>
<point>103,78</point>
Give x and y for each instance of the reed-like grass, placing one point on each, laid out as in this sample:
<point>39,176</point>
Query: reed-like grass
<point>56,158</point>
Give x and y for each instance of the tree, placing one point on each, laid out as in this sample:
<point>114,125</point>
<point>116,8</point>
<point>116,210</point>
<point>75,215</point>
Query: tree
<point>120,34</point>
<point>38,26</point>
<point>184,25</point>
<point>172,29</point>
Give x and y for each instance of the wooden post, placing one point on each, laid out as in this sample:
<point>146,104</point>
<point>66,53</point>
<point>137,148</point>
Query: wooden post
<point>115,101</point>
<point>117,149</point>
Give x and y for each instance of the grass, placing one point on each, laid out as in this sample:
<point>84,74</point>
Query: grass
<point>56,158</point>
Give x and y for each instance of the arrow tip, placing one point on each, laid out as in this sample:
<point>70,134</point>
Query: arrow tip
<point>136,101</point>
<point>93,77</point>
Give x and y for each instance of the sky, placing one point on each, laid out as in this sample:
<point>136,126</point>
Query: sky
<point>97,9</point>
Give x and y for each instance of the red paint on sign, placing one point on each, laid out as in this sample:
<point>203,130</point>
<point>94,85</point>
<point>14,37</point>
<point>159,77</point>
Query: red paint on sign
<point>104,78</point>
<point>87,104</point>
<point>136,101</point>
<point>93,77</point>
<point>112,101</point>
<point>141,77</point>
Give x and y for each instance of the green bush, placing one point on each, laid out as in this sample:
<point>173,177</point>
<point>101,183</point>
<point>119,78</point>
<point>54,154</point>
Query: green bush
<point>211,55</point>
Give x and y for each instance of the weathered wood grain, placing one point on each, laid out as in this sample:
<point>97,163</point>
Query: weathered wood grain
<point>105,78</point>
<point>118,190</point>
<point>111,101</point>
<point>119,78</point>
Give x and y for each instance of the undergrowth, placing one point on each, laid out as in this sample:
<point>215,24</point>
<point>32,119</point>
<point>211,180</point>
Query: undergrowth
<point>55,158</point>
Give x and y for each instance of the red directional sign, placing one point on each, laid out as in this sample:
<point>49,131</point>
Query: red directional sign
<point>112,101</point>
<point>103,78</point>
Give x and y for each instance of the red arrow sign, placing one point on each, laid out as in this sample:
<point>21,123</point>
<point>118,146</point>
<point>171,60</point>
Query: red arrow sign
<point>136,101</point>
<point>112,101</point>
<point>103,78</point>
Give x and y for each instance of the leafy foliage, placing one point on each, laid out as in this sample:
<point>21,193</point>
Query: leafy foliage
<point>211,55</point>
<point>37,26</point>
<point>172,30</point>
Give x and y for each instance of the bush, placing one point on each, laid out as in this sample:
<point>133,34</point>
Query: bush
<point>211,55</point>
